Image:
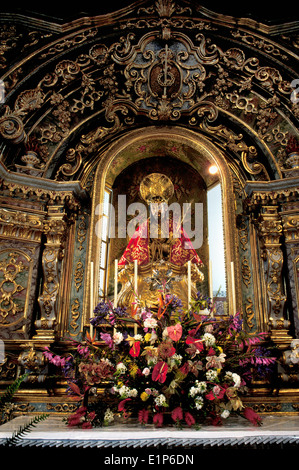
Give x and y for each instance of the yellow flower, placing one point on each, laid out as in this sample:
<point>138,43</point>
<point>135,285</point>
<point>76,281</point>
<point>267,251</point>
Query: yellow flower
<point>144,396</point>
<point>133,370</point>
<point>147,337</point>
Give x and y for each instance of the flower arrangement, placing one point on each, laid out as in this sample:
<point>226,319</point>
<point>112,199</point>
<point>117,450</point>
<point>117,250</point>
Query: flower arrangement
<point>181,367</point>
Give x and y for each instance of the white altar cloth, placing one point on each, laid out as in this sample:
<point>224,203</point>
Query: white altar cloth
<point>53,432</point>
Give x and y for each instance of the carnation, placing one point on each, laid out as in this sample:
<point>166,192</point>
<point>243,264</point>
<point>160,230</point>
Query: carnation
<point>118,337</point>
<point>146,371</point>
<point>150,323</point>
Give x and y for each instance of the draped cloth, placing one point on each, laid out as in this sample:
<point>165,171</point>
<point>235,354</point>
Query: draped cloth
<point>138,248</point>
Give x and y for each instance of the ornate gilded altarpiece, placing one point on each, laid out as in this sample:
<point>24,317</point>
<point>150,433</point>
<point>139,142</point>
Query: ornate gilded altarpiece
<point>156,82</point>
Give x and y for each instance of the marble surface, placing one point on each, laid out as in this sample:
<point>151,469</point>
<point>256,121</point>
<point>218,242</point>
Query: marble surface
<point>53,429</point>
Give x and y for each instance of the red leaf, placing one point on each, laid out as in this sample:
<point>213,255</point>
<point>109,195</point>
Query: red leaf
<point>75,389</point>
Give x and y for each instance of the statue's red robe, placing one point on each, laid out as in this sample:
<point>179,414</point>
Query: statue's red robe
<point>138,248</point>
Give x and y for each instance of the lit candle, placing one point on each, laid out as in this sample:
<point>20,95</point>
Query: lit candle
<point>115,282</point>
<point>135,289</point>
<point>233,288</point>
<point>91,298</point>
<point>189,285</point>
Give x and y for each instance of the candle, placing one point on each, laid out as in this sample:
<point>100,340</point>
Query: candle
<point>211,284</point>
<point>91,298</point>
<point>135,289</point>
<point>210,281</point>
<point>233,288</point>
<point>189,285</point>
<point>115,282</point>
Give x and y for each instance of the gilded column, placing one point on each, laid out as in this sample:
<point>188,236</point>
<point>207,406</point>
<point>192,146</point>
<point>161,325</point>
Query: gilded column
<point>54,230</point>
<point>270,233</point>
<point>290,222</point>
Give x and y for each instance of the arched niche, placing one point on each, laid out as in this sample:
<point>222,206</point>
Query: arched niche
<point>191,149</point>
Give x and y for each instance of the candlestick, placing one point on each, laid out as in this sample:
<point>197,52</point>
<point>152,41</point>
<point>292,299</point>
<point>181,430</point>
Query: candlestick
<point>135,289</point>
<point>233,288</point>
<point>115,282</point>
<point>189,285</point>
<point>91,299</point>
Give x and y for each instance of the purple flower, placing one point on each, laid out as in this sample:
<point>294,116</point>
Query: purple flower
<point>107,339</point>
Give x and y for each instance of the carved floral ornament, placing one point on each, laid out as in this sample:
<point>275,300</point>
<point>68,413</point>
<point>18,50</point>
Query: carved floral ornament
<point>165,76</point>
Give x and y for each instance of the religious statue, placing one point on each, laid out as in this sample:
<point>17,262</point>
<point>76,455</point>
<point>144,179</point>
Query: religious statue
<point>162,250</point>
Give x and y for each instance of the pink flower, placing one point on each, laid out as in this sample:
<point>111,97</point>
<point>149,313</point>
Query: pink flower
<point>175,332</point>
<point>177,414</point>
<point>158,419</point>
<point>107,339</point>
<point>190,421</point>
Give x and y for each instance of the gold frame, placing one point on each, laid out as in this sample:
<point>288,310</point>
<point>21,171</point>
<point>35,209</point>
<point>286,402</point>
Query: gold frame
<point>205,150</point>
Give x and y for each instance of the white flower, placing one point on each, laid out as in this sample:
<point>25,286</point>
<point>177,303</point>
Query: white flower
<point>225,414</point>
<point>202,386</point>
<point>193,391</point>
<point>209,339</point>
<point>175,360</point>
<point>146,371</point>
<point>108,416</point>
<point>121,368</point>
<point>198,403</point>
<point>124,391</point>
<point>198,388</point>
<point>211,375</point>
<point>138,337</point>
<point>118,337</point>
<point>133,393</point>
<point>150,323</point>
<point>236,379</point>
<point>160,400</point>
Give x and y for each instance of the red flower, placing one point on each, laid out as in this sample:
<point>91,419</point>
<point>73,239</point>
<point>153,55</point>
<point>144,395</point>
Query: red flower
<point>135,349</point>
<point>158,419</point>
<point>166,349</point>
<point>185,368</point>
<point>121,406</point>
<point>87,425</point>
<point>177,414</point>
<point>175,332</point>
<point>159,372</point>
<point>252,416</point>
<point>143,416</point>
<point>189,419</point>
<point>195,342</point>
<point>217,392</point>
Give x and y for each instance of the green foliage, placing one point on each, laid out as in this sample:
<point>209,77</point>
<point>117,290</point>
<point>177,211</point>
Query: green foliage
<point>19,434</point>
<point>10,391</point>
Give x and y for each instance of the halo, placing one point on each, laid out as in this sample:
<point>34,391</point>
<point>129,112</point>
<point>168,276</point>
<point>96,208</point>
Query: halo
<point>156,187</point>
